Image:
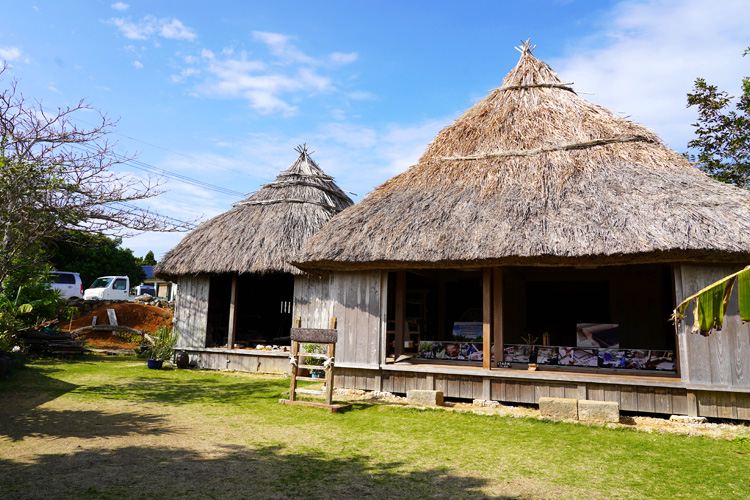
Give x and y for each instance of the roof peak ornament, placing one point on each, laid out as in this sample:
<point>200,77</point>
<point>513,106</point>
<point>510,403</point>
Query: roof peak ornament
<point>302,149</point>
<point>526,48</point>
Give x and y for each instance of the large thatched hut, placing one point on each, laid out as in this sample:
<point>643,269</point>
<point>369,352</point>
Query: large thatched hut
<point>538,248</point>
<point>235,283</point>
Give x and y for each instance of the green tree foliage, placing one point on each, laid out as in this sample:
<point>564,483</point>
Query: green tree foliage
<point>148,260</point>
<point>94,255</point>
<point>57,176</point>
<point>722,132</point>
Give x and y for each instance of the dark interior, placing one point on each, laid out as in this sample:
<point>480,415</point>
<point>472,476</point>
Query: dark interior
<point>638,298</point>
<point>264,309</point>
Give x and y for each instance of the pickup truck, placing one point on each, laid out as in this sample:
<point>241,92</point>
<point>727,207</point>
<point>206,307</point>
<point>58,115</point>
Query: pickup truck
<point>108,288</point>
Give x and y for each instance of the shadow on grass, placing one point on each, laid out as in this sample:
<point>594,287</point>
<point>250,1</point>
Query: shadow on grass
<point>79,424</point>
<point>229,472</point>
<point>175,391</point>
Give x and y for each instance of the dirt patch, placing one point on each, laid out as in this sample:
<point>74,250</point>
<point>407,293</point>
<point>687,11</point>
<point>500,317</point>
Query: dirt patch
<point>141,317</point>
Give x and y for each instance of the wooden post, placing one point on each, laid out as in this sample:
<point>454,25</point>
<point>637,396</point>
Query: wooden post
<point>329,372</point>
<point>486,318</point>
<point>232,314</point>
<point>497,296</point>
<point>400,313</point>
<point>295,370</point>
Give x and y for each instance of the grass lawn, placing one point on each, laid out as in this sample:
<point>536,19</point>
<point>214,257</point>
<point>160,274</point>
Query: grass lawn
<point>107,427</point>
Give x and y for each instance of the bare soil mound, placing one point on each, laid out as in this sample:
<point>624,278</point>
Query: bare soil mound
<point>141,317</point>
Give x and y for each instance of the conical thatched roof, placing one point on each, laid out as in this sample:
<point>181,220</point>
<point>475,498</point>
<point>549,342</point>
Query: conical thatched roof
<point>536,175</point>
<point>261,233</point>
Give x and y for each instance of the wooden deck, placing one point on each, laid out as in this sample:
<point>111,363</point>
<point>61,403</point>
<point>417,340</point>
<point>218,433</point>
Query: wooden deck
<point>641,393</point>
<point>635,392</point>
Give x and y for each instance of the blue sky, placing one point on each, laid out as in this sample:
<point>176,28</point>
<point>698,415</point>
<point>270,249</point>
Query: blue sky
<point>222,92</point>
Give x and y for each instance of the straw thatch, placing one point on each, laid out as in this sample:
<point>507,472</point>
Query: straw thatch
<point>536,175</point>
<point>261,233</point>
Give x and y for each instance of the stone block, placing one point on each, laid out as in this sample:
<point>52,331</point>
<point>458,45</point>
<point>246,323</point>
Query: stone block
<point>599,411</point>
<point>559,408</point>
<point>424,398</point>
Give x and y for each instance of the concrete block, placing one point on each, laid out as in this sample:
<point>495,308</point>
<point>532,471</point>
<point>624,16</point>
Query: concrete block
<point>559,408</point>
<point>424,398</point>
<point>599,411</point>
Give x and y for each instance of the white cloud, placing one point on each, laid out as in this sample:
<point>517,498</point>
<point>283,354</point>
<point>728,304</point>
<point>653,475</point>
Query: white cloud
<point>150,26</point>
<point>271,82</point>
<point>138,64</point>
<point>341,58</point>
<point>280,47</point>
<point>645,58</point>
<point>251,80</point>
<point>121,6</point>
<point>10,54</point>
<point>175,30</point>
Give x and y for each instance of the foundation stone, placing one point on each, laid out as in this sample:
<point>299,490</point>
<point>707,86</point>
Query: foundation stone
<point>424,398</point>
<point>559,408</point>
<point>599,411</point>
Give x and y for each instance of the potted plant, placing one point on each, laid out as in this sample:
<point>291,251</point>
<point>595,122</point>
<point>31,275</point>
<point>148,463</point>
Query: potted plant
<point>316,348</point>
<point>162,347</point>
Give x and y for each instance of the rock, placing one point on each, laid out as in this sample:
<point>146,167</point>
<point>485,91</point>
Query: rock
<point>424,398</point>
<point>599,411</point>
<point>559,408</point>
<point>483,403</point>
<point>684,419</point>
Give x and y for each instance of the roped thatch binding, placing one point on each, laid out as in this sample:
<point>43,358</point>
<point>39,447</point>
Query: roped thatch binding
<point>261,233</point>
<point>536,175</point>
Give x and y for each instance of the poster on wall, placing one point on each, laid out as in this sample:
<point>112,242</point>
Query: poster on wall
<point>467,331</point>
<point>660,360</point>
<point>635,359</point>
<point>451,351</point>
<point>612,358</point>
<point>546,355</point>
<point>601,335</point>
<point>573,356</point>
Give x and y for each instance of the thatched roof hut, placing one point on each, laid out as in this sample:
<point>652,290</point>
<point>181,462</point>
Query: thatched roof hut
<point>261,233</point>
<point>535,174</point>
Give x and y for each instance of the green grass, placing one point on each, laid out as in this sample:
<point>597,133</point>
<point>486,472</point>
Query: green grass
<point>111,428</point>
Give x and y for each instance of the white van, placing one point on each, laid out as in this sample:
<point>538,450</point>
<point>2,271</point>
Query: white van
<point>69,284</point>
<point>108,288</point>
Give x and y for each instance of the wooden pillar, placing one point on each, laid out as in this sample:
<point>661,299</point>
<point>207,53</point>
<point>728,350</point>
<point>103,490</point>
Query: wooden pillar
<point>232,314</point>
<point>486,317</point>
<point>497,306</point>
<point>400,313</point>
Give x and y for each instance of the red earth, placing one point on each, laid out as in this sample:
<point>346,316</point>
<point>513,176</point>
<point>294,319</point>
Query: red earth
<point>146,319</point>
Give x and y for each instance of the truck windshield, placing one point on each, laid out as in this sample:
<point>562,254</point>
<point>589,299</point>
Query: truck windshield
<point>101,282</point>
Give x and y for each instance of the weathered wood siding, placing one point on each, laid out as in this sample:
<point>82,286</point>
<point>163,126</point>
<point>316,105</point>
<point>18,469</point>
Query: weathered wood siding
<point>240,360</point>
<point>723,358</point>
<point>191,311</point>
<point>354,299</point>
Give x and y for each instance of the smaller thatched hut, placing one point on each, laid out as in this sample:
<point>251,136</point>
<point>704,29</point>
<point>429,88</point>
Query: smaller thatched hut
<point>235,283</point>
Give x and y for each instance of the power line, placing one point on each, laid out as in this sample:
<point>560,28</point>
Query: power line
<point>140,165</point>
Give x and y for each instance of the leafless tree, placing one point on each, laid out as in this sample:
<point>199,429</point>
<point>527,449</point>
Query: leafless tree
<point>57,176</point>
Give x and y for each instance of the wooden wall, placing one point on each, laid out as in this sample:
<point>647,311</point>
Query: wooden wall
<point>642,398</point>
<point>354,299</point>
<point>723,358</point>
<point>191,311</point>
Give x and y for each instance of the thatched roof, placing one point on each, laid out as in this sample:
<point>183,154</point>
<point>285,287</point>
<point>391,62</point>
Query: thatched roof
<point>536,175</point>
<point>261,233</point>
